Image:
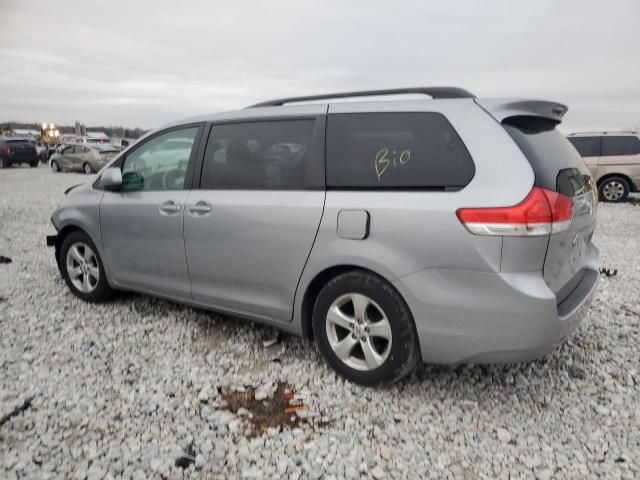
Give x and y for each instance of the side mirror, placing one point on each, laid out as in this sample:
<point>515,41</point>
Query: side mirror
<point>111,179</point>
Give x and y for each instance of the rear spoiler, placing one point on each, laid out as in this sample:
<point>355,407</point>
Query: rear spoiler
<point>501,108</point>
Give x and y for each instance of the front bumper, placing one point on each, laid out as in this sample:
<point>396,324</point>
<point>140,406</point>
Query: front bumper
<point>483,317</point>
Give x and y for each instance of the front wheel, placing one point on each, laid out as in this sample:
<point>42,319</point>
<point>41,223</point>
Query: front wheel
<point>55,167</point>
<point>364,329</point>
<point>82,268</point>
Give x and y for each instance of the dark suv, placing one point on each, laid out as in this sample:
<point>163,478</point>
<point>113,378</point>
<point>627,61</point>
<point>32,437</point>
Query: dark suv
<point>17,150</point>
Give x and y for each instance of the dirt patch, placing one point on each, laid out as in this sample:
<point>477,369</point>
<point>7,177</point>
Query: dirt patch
<point>279,411</point>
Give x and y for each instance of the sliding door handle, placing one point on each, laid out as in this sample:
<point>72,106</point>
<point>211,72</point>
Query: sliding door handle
<point>200,208</point>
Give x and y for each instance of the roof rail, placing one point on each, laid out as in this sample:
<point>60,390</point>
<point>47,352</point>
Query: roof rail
<point>433,92</point>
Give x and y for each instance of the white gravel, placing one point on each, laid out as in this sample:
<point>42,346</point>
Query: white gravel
<point>126,388</point>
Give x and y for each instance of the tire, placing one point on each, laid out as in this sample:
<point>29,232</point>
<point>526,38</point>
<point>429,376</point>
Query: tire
<point>378,301</point>
<point>34,164</point>
<point>87,168</point>
<point>614,190</point>
<point>55,167</point>
<point>3,163</point>
<point>90,283</point>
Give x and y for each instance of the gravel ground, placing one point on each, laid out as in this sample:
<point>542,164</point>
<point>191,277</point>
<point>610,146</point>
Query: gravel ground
<point>128,388</point>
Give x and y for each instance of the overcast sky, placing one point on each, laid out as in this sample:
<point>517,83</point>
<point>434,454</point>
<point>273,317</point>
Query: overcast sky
<point>145,63</point>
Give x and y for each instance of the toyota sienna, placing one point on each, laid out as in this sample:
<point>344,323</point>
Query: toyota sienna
<point>444,228</point>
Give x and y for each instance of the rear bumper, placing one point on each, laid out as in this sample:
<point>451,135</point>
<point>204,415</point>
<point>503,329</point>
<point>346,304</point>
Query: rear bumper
<point>482,317</point>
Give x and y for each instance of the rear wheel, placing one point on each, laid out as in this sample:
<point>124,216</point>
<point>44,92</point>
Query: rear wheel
<point>55,167</point>
<point>614,189</point>
<point>87,168</point>
<point>82,268</point>
<point>34,164</point>
<point>364,329</point>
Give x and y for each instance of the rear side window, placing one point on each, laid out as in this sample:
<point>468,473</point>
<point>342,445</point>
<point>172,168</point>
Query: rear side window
<point>549,154</point>
<point>263,155</point>
<point>395,150</point>
<point>586,146</point>
<point>622,145</point>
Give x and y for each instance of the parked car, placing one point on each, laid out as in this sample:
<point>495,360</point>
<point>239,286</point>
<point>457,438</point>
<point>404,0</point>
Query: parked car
<point>15,151</point>
<point>45,154</point>
<point>614,161</point>
<point>83,158</point>
<point>450,229</point>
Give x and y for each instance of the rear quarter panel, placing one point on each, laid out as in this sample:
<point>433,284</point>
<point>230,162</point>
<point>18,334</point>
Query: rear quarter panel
<point>627,165</point>
<point>411,231</point>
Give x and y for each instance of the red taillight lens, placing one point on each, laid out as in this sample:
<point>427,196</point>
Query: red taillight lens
<point>6,151</point>
<point>541,213</point>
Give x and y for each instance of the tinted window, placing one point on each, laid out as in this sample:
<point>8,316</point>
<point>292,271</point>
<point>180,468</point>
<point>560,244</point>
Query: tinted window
<point>586,146</point>
<point>258,155</point>
<point>627,145</point>
<point>390,150</point>
<point>156,164</point>
<point>549,153</point>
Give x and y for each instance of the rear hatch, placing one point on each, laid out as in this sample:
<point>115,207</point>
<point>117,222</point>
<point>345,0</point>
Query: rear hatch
<point>22,150</point>
<point>557,167</point>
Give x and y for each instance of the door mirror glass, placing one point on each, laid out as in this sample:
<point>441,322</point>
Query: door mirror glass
<point>111,179</point>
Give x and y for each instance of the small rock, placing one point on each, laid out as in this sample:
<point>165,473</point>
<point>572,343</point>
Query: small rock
<point>203,396</point>
<point>377,473</point>
<point>503,435</point>
<point>521,380</point>
<point>260,394</point>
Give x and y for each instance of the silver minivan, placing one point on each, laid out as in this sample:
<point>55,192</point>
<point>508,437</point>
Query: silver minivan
<point>436,227</point>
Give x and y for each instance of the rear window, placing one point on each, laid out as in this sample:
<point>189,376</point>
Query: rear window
<point>395,150</point>
<point>622,145</point>
<point>551,156</point>
<point>586,146</point>
<point>18,142</point>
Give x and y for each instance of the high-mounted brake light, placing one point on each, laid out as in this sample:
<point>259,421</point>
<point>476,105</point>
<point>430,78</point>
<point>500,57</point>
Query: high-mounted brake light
<point>543,212</point>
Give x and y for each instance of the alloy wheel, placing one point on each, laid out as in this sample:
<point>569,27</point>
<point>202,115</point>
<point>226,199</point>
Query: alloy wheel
<point>82,267</point>
<point>358,331</point>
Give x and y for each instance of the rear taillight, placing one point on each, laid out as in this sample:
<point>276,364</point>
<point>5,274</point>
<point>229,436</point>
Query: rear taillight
<point>6,151</point>
<point>541,213</point>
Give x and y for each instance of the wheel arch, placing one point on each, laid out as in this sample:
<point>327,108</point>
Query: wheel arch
<point>315,285</point>
<point>601,180</point>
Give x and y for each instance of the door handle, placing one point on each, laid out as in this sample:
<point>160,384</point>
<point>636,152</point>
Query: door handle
<point>200,208</point>
<point>170,207</point>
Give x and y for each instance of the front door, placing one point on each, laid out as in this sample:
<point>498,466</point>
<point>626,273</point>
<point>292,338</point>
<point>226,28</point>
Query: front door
<point>142,224</point>
<point>67,157</point>
<point>251,225</point>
